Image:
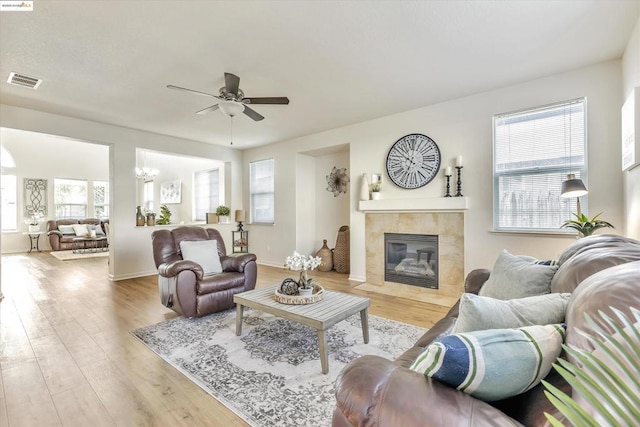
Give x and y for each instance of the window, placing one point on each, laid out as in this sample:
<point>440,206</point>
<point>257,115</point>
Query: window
<point>101,199</point>
<point>206,193</point>
<point>148,190</point>
<point>534,150</point>
<point>9,207</point>
<point>262,191</point>
<point>70,198</point>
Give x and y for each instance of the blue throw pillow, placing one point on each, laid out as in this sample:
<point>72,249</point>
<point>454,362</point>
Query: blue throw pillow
<point>493,364</point>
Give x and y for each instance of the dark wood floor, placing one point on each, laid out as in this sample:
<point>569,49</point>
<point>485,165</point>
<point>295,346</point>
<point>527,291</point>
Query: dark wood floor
<point>67,357</point>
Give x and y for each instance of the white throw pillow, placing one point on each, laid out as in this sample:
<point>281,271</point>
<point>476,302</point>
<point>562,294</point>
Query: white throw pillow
<point>81,230</point>
<point>479,313</point>
<point>203,252</point>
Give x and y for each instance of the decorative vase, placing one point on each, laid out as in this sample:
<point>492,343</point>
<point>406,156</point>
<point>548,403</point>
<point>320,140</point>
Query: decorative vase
<point>151,218</point>
<point>364,187</point>
<point>326,255</point>
<point>140,219</point>
<point>375,195</point>
<point>34,228</point>
<point>224,219</point>
<point>341,254</point>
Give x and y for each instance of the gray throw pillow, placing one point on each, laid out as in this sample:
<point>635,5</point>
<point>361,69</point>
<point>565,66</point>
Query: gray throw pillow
<point>480,313</point>
<point>516,276</point>
<point>66,229</point>
<point>203,252</point>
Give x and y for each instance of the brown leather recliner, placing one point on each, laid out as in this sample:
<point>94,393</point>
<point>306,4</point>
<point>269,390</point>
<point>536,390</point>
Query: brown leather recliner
<point>183,286</point>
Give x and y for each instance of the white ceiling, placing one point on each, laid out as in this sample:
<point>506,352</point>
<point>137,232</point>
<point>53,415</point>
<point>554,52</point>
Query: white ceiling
<point>338,62</point>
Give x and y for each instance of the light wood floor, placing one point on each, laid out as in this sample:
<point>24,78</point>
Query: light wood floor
<point>67,357</point>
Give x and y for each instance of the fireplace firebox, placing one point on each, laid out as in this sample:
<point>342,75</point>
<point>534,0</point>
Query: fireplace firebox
<point>411,259</point>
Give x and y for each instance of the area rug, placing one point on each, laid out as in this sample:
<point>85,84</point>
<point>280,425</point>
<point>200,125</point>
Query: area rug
<point>69,255</point>
<point>271,375</point>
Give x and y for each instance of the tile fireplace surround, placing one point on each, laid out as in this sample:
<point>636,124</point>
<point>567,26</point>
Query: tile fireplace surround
<point>438,216</point>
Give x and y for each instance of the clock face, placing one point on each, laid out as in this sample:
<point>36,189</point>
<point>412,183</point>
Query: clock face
<point>413,161</point>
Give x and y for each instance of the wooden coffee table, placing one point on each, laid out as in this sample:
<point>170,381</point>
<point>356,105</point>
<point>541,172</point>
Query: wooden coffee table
<point>333,308</point>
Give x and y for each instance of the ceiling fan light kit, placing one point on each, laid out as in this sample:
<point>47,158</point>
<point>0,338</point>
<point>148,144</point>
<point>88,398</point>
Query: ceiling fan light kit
<point>233,101</point>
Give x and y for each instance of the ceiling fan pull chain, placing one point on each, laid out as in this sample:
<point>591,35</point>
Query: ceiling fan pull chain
<point>231,130</point>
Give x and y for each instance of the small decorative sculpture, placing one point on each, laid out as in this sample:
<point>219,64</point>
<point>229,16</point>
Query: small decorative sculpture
<point>289,287</point>
<point>337,181</point>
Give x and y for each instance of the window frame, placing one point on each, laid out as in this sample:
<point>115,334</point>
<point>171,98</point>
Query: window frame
<point>566,206</point>
<point>214,202</point>
<point>253,217</point>
<point>105,205</point>
<point>12,226</point>
<point>70,205</point>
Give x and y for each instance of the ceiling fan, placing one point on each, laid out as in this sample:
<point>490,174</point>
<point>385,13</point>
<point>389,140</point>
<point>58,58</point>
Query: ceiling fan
<point>232,99</point>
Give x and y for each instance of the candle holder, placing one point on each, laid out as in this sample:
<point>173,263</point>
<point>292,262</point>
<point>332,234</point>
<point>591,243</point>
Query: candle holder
<point>459,183</point>
<point>448,193</point>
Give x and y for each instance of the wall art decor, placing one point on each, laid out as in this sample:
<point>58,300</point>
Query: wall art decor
<point>337,181</point>
<point>171,192</point>
<point>35,197</point>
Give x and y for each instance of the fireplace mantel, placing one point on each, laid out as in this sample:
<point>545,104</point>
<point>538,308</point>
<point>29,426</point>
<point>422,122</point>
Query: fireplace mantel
<point>432,204</point>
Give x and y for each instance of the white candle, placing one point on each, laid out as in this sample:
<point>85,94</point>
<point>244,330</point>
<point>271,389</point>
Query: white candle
<point>459,161</point>
<point>447,171</point>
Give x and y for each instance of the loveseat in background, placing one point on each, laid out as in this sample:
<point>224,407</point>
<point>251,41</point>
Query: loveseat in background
<point>60,241</point>
<point>600,271</point>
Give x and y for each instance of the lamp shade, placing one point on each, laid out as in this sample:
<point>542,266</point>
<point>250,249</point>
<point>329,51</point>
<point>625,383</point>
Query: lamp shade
<point>231,108</point>
<point>573,187</point>
<point>240,215</point>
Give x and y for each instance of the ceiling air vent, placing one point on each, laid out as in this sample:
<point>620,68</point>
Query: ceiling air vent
<point>24,81</point>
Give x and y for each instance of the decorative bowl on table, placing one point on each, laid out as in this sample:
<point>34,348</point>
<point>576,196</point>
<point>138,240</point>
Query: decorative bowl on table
<point>316,295</point>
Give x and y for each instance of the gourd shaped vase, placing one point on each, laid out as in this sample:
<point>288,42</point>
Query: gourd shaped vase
<point>326,255</point>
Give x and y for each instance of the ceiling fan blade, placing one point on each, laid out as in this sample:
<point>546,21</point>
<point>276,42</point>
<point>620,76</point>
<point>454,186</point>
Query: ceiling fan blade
<point>208,109</point>
<point>231,83</point>
<point>252,113</point>
<point>191,90</point>
<point>268,100</point>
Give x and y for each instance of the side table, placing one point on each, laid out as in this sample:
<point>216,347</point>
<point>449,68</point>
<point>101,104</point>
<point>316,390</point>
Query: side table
<point>34,240</point>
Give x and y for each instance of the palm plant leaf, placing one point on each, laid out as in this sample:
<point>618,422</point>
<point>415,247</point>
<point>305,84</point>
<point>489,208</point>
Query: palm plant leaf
<point>599,376</point>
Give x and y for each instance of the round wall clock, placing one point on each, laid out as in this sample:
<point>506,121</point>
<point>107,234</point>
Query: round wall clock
<point>413,161</point>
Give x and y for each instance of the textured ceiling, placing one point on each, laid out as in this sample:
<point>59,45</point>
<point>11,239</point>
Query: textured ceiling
<point>338,62</point>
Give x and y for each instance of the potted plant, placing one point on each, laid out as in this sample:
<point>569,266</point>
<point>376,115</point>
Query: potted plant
<point>599,377</point>
<point>375,186</point>
<point>223,213</point>
<point>165,216</point>
<point>33,222</point>
<point>586,226</point>
<point>303,263</point>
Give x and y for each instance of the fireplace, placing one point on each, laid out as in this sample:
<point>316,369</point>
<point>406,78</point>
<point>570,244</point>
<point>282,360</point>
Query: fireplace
<point>411,259</point>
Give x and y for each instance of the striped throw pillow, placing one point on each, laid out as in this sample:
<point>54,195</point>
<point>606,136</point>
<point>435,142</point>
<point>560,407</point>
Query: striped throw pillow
<point>493,364</point>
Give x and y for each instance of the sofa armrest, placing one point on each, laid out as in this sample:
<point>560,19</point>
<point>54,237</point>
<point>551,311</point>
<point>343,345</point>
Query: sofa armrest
<point>374,391</point>
<point>171,269</point>
<point>236,263</point>
<point>475,279</point>
<point>54,233</point>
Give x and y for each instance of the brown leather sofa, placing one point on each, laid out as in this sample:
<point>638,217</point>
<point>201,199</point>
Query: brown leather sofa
<point>183,286</point>
<point>373,391</point>
<point>62,242</point>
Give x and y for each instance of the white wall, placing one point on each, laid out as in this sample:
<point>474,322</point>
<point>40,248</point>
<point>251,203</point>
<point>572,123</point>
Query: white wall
<point>131,255</point>
<point>461,127</point>
<point>631,79</point>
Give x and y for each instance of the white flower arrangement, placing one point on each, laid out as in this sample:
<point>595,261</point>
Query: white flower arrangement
<point>298,261</point>
<point>35,219</point>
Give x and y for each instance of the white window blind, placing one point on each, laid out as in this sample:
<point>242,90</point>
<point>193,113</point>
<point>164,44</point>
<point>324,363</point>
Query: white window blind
<point>261,184</point>
<point>206,186</point>
<point>101,199</point>
<point>70,197</point>
<point>148,191</point>
<point>534,150</point>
